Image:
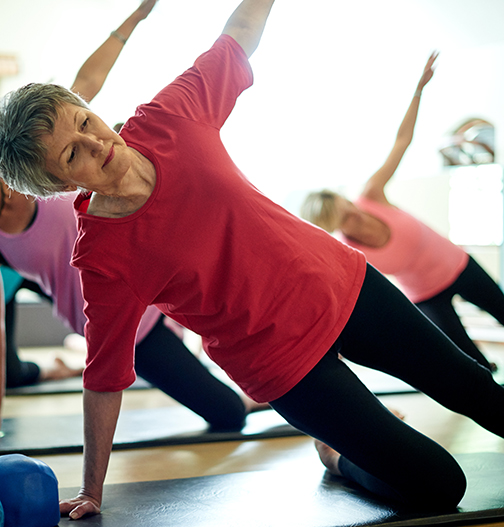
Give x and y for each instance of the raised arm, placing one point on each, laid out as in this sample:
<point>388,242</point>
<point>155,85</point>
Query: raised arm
<point>94,71</point>
<point>247,23</point>
<point>375,186</point>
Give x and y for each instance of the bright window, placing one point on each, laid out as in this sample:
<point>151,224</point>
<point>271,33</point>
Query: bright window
<point>476,205</point>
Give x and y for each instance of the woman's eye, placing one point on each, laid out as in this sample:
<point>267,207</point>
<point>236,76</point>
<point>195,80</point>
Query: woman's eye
<point>72,155</point>
<point>85,123</point>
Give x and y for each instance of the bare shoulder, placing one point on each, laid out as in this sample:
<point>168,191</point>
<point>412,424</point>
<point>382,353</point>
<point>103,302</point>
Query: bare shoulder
<point>374,193</point>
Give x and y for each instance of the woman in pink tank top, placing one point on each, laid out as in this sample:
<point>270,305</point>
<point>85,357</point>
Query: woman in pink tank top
<point>429,268</point>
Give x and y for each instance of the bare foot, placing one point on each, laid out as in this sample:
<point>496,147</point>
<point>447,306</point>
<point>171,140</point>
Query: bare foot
<point>58,371</point>
<point>75,342</point>
<point>329,457</point>
<point>397,413</point>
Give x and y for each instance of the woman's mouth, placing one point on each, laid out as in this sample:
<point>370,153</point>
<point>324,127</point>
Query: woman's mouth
<point>109,157</point>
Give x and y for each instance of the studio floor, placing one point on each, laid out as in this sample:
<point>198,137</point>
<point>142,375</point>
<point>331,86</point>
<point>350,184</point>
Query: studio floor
<point>456,433</point>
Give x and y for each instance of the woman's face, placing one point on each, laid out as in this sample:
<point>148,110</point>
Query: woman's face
<point>84,152</point>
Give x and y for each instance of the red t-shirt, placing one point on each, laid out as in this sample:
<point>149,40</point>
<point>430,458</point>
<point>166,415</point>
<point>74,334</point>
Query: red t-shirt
<point>268,292</point>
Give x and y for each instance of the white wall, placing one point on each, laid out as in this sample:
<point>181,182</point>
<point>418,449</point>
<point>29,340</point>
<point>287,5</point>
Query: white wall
<point>332,81</point>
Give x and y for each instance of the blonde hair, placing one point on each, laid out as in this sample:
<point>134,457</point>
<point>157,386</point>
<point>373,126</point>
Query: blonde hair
<point>319,208</point>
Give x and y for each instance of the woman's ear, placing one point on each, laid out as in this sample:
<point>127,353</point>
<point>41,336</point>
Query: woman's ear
<point>70,188</point>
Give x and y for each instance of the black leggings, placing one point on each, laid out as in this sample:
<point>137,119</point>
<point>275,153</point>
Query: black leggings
<point>379,451</point>
<point>163,360</point>
<point>18,372</point>
<point>475,286</point>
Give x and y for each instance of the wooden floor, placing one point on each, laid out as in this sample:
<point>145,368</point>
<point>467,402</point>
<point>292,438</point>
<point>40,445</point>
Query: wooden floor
<point>456,433</point>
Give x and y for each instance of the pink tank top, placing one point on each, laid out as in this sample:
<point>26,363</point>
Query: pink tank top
<point>423,262</point>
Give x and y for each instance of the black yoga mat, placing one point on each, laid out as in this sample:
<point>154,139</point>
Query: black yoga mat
<point>173,425</point>
<point>71,385</point>
<point>288,499</point>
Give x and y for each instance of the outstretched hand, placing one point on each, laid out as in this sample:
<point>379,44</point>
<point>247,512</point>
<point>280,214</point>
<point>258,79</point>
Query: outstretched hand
<point>428,71</point>
<point>145,8</point>
<point>78,507</point>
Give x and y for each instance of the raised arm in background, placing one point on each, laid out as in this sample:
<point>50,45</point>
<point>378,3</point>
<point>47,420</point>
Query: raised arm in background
<point>375,186</point>
<point>247,23</point>
<point>94,71</point>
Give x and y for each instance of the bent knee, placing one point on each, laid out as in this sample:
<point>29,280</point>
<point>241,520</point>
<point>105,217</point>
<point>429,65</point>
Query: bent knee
<point>444,491</point>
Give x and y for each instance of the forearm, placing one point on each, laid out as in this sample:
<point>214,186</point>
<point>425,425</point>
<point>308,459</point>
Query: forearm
<point>94,71</point>
<point>375,186</point>
<point>101,410</point>
<point>405,132</point>
<point>246,24</point>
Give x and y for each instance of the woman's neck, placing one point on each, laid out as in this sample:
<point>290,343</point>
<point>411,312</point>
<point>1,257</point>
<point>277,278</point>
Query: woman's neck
<point>18,213</point>
<point>133,193</point>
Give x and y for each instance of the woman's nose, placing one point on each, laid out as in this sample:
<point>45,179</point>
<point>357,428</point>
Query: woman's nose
<point>94,144</point>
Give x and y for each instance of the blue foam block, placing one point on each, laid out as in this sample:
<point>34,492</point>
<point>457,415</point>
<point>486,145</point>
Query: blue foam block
<point>28,492</point>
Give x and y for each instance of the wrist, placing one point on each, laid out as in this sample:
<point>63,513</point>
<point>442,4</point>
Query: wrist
<point>418,93</point>
<point>119,36</point>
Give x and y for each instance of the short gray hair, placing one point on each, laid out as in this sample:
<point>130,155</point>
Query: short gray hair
<point>26,115</point>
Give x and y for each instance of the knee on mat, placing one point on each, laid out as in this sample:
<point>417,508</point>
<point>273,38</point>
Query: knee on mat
<point>442,493</point>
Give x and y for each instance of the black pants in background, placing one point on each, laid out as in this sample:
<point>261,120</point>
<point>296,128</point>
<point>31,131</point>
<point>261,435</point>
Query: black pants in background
<point>163,360</point>
<point>475,286</point>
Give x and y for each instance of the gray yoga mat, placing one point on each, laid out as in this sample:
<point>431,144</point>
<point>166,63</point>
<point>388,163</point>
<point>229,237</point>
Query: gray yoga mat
<point>289,498</point>
<point>173,425</point>
<point>71,385</point>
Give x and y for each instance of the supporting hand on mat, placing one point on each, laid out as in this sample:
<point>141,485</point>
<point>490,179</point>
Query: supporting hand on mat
<point>78,507</point>
<point>101,411</point>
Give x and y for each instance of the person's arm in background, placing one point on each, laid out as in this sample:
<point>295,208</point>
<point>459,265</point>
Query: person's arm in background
<point>375,186</point>
<point>246,24</point>
<point>94,71</point>
<point>2,349</point>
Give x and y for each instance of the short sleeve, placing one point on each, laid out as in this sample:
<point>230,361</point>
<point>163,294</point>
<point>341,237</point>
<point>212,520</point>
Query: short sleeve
<point>206,92</point>
<point>113,316</point>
